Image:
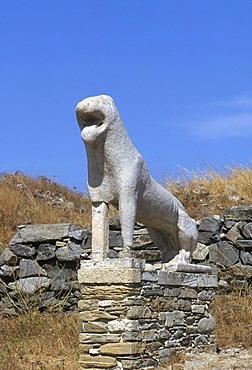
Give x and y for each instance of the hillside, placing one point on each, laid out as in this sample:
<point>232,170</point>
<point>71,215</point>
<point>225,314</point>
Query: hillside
<point>208,192</point>
<point>27,200</point>
<point>52,341</point>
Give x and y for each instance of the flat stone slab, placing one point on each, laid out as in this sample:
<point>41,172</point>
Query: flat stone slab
<point>109,275</point>
<point>111,271</point>
<point>43,232</point>
<point>121,263</point>
<point>188,267</point>
<point>188,279</point>
<point>238,213</point>
<point>30,285</point>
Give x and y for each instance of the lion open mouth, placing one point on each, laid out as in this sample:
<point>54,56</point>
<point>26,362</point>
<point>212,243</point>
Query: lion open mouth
<point>87,119</point>
<point>91,124</point>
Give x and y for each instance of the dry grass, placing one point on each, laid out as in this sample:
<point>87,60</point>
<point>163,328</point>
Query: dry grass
<point>38,342</point>
<point>209,192</point>
<point>26,200</point>
<point>234,319</point>
<point>35,341</point>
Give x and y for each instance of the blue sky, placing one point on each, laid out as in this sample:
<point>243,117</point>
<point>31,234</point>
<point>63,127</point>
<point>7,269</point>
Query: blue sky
<point>179,71</point>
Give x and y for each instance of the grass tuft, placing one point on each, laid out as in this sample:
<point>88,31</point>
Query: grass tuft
<point>208,192</point>
<point>26,200</point>
<point>233,314</point>
<point>39,342</point>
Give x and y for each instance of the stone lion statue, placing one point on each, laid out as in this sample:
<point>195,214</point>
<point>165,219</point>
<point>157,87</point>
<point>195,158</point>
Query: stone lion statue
<point>118,175</point>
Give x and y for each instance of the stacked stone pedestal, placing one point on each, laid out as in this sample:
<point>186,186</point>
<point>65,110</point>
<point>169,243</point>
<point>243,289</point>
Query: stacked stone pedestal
<point>135,317</point>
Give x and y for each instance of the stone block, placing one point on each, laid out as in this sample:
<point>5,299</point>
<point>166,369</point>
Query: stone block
<point>149,254</point>
<point>115,292</point>
<point>238,213</point>
<point>150,276</point>
<point>175,318</point>
<point>30,285</point>
<point>210,223</point>
<point>115,239</point>
<point>133,364</point>
<point>109,276</point>
<point>234,233</point>
<point>79,234</point>
<point>200,252</point>
<point>21,250</point>
<point>121,325</point>
<point>198,308</point>
<point>43,232</point>
<point>183,305</point>
<point>97,362</point>
<point>88,338</point>
<point>88,304</point>
<point>165,355</point>
<point>246,258</point>
<point>164,334</point>
<point>149,335</point>
<point>188,279</point>
<point>206,325</point>
<point>188,267</point>
<point>137,312</point>
<point>162,304</point>
<point>45,252</point>
<point>84,348</point>
<point>187,293</point>
<point>201,339</point>
<point>174,292</point>
<point>96,315</point>
<point>30,268</point>
<point>122,348</point>
<point>191,329</point>
<point>111,271</point>
<point>94,327</point>
<point>60,243</point>
<point>132,336</point>
<point>205,237</point>
<point>116,310</point>
<point>244,244</point>
<point>247,231</point>
<point>65,254</point>
<point>8,273</point>
<point>8,257</point>
<point>120,263</point>
<point>223,253</point>
<point>206,295</point>
<point>59,284</point>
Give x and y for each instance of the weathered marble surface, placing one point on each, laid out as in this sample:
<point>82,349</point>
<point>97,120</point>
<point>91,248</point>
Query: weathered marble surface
<point>118,175</point>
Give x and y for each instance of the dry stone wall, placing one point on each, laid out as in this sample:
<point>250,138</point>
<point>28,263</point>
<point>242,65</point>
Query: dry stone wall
<point>39,268</point>
<point>135,316</point>
<point>225,243</point>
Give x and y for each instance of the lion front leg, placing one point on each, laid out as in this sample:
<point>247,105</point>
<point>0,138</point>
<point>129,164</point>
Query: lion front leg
<point>127,209</point>
<point>100,231</point>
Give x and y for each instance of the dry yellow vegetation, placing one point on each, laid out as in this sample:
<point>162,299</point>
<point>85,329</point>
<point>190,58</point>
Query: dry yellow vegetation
<point>208,192</point>
<point>36,341</point>
<point>233,314</point>
<point>26,200</point>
